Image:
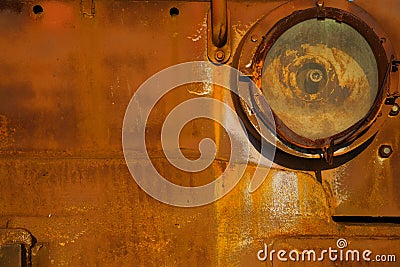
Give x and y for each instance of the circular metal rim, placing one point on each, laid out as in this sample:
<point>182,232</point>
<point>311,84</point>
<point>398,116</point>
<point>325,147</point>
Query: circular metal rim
<point>278,21</point>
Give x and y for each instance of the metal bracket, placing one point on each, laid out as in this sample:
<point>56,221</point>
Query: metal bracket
<point>395,65</point>
<point>328,153</point>
<point>13,244</point>
<point>219,43</point>
<point>87,8</point>
<point>321,9</point>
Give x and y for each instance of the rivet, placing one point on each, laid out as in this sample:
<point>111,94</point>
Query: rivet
<point>394,110</point>
<point>254,38</point>
<point>219,55</point>
<point>385,151</point>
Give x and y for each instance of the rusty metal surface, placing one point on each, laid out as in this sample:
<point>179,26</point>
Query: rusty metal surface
<point>369,184</point>
<point>65,81</point>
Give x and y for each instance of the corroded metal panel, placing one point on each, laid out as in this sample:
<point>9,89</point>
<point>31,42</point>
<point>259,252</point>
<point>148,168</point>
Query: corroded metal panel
<point>67,74</point>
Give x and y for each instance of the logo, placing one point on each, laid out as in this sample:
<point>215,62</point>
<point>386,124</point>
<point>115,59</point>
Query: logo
<point>323,254</point>
<point>137,117</point>
<point>341,243</point>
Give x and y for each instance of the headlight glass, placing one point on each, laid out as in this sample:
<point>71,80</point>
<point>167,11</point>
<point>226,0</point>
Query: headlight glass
<point>320,77</point>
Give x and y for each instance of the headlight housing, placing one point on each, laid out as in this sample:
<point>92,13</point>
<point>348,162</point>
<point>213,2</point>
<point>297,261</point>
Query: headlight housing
<point>325,72</point>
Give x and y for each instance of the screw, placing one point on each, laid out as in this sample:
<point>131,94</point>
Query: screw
<point>254,38</point>
<point>219,55</point>
<point>385,151</point>
<point>395,110</point>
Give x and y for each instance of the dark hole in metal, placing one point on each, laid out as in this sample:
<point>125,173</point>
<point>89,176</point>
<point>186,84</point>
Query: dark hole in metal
<point>366,219</point>
<point>174,11</point>
<point>38,9</point>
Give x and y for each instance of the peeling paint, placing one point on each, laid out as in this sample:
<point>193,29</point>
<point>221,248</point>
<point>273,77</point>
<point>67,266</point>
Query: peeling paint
<point>200,32</point>
<point>285,190</point>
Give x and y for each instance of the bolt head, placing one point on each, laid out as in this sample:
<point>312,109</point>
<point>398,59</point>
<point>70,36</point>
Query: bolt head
<point>254,38</point>
<point>219,55</point>
<point>385,151</point>
<point>395,110</point>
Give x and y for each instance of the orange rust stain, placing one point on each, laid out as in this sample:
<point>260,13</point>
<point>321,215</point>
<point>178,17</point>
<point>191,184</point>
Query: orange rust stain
<point>56,15</point>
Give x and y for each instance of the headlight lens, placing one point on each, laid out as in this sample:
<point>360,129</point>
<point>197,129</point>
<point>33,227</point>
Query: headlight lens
<point>320,77</point>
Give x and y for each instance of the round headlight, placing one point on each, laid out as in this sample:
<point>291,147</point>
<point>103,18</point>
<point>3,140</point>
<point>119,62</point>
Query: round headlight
<point>320,77</point>
<point>325,73</point>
